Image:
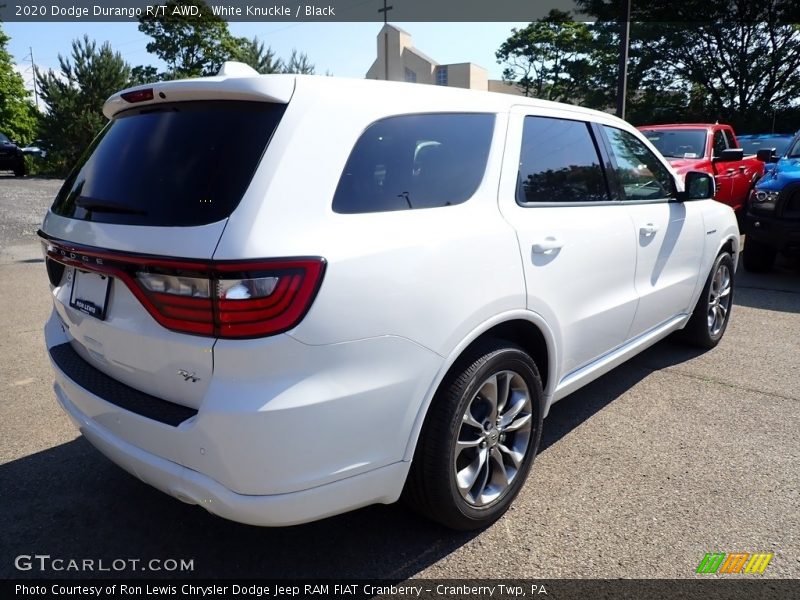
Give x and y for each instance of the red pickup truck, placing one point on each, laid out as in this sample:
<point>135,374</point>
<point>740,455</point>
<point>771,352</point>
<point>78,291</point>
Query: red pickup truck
<point>712,149</point>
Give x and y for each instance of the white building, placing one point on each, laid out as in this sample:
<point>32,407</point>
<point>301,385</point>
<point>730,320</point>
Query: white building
<point>406,63</point>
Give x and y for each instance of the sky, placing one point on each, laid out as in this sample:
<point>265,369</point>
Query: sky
<point>343,49</point>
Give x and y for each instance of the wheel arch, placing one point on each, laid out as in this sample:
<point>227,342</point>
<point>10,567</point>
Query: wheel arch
<point>523,328</point>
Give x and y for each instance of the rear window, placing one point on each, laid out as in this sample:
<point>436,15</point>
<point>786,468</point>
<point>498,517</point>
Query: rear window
<point>176,164</point>
<point>415,161</point>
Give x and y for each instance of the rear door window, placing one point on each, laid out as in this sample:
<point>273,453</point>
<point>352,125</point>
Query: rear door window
<point>559,162</point>
<point>176,164</point>
<point>415,161</point>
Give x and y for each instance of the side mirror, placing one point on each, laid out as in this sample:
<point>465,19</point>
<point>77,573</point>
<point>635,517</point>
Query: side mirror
<point>697,186</point>
<point>767,155</point>
<point>730,155</point>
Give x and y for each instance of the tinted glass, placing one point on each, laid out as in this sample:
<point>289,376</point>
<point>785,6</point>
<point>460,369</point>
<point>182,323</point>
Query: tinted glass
<point>794,149</point>
<point>729,138</point>
<point>752,145</point>
<point>3,138</point>
<point>559,163</point>
<point>678,143</point>
<point>641,175</point>
<point>176,164</point>
<point>415,161</point>
<point>719,143</point>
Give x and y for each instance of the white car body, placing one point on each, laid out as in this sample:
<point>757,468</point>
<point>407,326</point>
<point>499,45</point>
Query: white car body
<point>324,418</point>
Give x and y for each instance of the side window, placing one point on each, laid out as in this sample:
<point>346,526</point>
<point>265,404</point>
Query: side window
<point>729,138</point>
<point>559,163</point>
<point>719,143</point>
<point>415,161</point>
<point>640,174</point>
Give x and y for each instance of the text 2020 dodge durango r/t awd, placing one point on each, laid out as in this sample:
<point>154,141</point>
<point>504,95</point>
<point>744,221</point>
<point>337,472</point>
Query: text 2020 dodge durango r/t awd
<point>285,297</point>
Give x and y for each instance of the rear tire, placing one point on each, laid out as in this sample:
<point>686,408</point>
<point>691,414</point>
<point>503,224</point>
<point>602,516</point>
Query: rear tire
<point>758,257</point>
<point>19,170</point>
<point>479,438</point>
<point>710,317</point>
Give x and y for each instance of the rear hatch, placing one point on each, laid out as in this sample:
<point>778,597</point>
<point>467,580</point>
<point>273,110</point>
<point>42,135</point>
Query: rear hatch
<point>131,235</point>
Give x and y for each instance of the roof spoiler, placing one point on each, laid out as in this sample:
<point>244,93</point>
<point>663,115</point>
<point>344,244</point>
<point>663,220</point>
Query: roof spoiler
<point>234,81</point>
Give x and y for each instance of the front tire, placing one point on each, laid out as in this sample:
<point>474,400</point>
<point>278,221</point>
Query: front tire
<point>479,438</point>
<point>710,317</point>
<point>19,170</point>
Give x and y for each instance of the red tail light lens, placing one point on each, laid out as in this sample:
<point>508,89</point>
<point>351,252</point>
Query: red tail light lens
<point>138,95</point>
<point>222,299</point>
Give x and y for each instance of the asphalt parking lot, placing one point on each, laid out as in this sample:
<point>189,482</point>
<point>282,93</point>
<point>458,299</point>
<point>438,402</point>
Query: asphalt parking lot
<point>672,455</point>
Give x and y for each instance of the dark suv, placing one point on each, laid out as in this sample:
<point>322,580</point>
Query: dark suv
<point>773,213</point>
<point>11,157</point>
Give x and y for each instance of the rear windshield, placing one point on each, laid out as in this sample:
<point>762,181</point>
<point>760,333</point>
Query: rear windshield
<point>176,164</point>
<point>678,143</point>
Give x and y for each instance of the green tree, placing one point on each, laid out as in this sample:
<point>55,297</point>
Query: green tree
<point>75,97</point>
<point>144,74</point>
<point>549,58</point>
<point>18,116</point>
<point>736,61</point>
<point>260,57</point>
<point>298,63</point>
<point>190,45</point>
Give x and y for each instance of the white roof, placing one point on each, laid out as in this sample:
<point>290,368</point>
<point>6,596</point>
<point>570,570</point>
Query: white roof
<point>389,96</point>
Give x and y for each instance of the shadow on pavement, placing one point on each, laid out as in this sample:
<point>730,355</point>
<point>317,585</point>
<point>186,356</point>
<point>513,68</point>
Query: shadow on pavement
<point>777,290</point>
<point>70,502</point>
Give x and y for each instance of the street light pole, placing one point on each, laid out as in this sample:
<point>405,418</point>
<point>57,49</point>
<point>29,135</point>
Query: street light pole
<point>624,47</point>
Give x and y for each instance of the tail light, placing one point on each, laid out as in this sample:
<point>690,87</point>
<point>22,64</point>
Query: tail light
<point>243,299</point>
<point>138,95</point>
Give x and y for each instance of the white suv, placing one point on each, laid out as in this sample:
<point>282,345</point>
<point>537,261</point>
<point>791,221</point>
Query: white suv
<point>285,297</point>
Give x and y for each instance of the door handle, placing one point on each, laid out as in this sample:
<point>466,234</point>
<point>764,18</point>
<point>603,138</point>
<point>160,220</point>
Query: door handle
<point>547,246</point>
<point>730,170</point>
<point>648,230</point>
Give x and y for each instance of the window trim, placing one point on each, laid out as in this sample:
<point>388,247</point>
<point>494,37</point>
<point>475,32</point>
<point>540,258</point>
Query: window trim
<point>601,158</point>
<point>618,183</point>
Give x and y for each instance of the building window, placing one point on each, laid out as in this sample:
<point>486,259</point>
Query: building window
<point>441,75</point>
<point>411,77</point>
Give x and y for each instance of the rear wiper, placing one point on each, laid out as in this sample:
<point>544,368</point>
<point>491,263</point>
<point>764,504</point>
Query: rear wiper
<point>94,205</point>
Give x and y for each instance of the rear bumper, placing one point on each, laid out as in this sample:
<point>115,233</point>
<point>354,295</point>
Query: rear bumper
<point>378,486</point>
<point>276,445</point>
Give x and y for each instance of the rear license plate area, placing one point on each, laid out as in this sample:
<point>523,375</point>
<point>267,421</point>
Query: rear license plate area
<point>90,293</point>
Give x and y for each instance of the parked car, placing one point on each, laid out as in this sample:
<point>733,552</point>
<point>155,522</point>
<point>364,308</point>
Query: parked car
<point>753,143</point>
<point>772,224</point>
<point>35,151</point>
<point>713,149</point>
<point>11,158</point>
<point>284,297</point>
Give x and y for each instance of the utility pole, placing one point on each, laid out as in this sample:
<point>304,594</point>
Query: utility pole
<point>35,85</point>
<point>385,10</point>
<point>624,47</point>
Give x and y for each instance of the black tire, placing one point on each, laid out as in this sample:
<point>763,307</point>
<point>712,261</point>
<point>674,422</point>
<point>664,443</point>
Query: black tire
<point>19,170</point>
<point>707,324</point>
<point>758,257</point>
<point>432,487</point>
